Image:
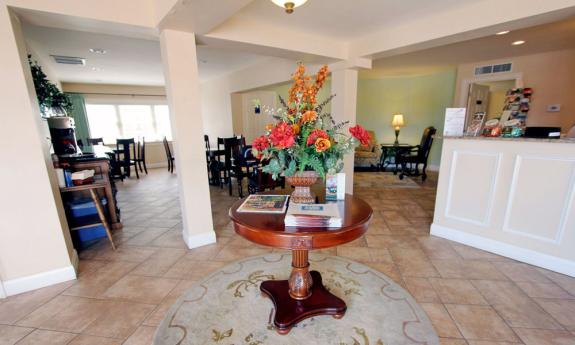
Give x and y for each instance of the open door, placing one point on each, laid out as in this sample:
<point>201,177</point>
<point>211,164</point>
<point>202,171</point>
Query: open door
<point>477,101</point>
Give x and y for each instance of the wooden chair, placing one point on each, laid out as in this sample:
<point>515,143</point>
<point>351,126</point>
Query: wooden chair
<point>419,154</point>
<point>96,141</point>
<point>259,181</point>
<point>141,158</point>
<point>169,156</point>
<point>123,149</point>
<point>234,163</point>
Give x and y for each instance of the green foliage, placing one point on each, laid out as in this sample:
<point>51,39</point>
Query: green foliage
<point>49,96</point>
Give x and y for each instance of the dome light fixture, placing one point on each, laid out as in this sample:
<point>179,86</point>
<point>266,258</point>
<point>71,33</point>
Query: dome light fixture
<point>289,5</point>
<point>518,43</point>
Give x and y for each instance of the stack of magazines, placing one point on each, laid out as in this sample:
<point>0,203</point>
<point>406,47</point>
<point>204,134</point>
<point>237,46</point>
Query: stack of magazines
<point>313,215</point>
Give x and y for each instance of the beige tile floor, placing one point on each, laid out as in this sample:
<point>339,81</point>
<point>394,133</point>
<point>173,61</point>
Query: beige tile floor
<point>472,297</point>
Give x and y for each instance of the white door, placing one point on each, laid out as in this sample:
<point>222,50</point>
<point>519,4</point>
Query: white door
<point>477,101</point>
<point>255,123</point>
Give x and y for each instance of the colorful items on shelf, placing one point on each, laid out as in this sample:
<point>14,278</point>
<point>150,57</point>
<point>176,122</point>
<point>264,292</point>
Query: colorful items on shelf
<point>517,101</point>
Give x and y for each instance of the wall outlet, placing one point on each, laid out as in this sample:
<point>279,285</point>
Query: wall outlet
<point>553,108</point>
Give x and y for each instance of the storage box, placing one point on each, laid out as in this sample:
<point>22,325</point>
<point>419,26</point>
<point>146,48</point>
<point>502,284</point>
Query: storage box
<point>85,237</point>
<point>83,207</point>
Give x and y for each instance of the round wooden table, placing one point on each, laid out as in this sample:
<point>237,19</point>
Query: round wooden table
<point>303,294</point>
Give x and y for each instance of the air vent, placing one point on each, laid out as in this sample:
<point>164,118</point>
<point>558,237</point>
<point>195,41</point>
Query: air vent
<point>69,60</point>
<point>490,69</point>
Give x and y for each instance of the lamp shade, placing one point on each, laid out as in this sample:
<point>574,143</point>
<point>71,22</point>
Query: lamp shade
<point>398,120</point>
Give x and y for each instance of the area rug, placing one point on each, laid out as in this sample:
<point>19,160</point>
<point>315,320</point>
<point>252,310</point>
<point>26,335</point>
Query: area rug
<point>227,308</point>
<point>382,180</point>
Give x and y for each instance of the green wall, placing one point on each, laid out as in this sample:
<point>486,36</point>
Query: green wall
<point>421,99</point>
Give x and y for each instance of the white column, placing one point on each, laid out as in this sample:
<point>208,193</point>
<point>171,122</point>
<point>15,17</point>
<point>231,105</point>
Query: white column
<point>183,90</point>
<point>343,108</point>
<point>35,246</point>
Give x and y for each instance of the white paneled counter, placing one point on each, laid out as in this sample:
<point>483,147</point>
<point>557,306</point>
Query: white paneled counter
<point>512,197</point>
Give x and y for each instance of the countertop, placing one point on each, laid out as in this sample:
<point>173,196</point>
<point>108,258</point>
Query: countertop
<point>560,140</point>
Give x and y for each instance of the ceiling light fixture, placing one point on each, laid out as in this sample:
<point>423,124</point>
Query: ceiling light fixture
<point>97,69</point>
<point>503,32</point>
<point>518,43</point>
<point>98,51</point>
<point>289,5</point>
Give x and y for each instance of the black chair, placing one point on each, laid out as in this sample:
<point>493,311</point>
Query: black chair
<point>96,141</point>
<point>409,160</point>
<point>169,156</point>
<point>260,181</point>
<point>125,156</point>
<point>236,162</point>
<point>141,158</point>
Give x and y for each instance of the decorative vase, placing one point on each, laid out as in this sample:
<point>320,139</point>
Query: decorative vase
<point>302,181</point>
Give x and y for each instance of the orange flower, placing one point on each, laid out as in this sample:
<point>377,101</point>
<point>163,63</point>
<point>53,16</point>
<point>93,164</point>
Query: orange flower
<point>309,116</point>
<point>269,126</point>
<point>296,128</point>
<point>322,144</point>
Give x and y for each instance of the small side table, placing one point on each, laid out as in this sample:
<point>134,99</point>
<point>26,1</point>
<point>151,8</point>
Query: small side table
<point>303,295</point>
<point>392,150</point>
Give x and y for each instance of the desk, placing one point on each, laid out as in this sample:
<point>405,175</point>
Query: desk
<point>303,295</point>
<point>100,163</point>
<point>392,150</point>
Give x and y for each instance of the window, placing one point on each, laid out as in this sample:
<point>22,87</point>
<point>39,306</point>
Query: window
<point>112,121</point>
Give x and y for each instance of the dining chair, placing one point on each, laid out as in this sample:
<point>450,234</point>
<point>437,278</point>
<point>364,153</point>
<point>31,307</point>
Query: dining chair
<point>169,156</point>
<point>128,158</point>
<point>96,141</point>
<point>141,158</point>
<point>419,154</point>
<point>233,163</point>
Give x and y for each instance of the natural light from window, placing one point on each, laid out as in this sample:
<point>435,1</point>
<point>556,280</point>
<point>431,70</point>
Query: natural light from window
<point>115,121</point>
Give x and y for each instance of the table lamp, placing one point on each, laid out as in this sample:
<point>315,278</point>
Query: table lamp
<point>397,123</point>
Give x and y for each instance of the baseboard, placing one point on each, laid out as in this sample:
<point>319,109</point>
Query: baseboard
<point>40,280</point>
<point>433,167</point>
<point>549,262</point>
<point>194,241</point>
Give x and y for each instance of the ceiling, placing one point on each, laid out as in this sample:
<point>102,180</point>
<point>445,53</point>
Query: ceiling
<point>541,38</point>
<point>342,19</point>
<point>129,61</point>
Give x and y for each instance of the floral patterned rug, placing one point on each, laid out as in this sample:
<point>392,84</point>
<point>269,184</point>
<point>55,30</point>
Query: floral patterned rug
<point>227,308</point>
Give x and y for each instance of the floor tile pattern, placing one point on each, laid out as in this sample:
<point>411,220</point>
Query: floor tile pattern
<point>471,296</point>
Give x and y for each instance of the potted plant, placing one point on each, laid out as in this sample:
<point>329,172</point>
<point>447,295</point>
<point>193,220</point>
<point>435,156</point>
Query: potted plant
<point>305,143</point>
<point>51,100</point>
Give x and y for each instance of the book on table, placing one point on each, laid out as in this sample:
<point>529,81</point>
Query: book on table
<point>313,215</point>
<point>264,204</point>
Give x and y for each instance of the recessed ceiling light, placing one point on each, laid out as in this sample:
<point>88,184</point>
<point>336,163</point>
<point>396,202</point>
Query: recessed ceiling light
<point>518,43</point>
<point>98,51</point>
<point>97,69</point>
<point>503,32</point>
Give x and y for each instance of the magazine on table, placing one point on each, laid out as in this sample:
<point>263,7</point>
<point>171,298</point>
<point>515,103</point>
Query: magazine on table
<point>264,204</point>
<point>313,215</point>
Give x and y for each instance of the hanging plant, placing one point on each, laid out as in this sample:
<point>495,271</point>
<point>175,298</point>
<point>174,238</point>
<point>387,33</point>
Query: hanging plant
<point>50,98</point>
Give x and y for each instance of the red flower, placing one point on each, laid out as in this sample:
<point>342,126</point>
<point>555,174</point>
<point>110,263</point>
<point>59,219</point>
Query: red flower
<point>316,134</point>
<point>360,134</point>
<point>260,144</point>
<point>282,136</point>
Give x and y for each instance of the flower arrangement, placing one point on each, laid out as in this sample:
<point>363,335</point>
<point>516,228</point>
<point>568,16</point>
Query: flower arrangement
<point>305,138</point>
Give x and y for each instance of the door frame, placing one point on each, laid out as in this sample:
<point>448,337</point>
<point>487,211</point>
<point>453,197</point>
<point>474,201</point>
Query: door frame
<point>464,87</point>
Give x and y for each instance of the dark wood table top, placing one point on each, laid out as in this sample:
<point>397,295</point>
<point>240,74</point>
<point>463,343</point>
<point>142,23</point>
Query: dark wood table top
<point>269,229</point>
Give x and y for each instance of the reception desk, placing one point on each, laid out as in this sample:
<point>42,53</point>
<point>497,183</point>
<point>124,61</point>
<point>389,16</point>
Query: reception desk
<point>509,196</point>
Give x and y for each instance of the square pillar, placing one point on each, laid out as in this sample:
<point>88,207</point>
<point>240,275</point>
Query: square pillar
<point>183,90</point>
<point>35,246</point>
<point>343,108</point>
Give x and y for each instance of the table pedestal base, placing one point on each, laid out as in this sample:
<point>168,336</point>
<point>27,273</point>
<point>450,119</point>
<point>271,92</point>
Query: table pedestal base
<point>290,311</point>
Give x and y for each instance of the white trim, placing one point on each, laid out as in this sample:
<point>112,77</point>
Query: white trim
<point>564,214</point>
<point>494,180</point>
<point>464,87</point>
<point>2,292</point>
<point>194,241</point>
<point>40,280</point>
<point>549,262</point>
<point>433,167</point>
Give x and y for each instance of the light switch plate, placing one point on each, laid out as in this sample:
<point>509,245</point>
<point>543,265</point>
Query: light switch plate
<point>553,108</point>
